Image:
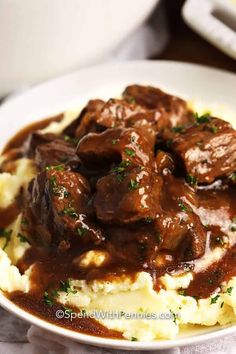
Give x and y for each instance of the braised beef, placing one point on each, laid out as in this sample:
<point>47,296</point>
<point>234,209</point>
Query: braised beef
<point>58,212</point>
<point>207,149</point>
<point>115,145</point>
<point>172,110</point>
<point>180,228</point>
<point>142,179</point>
<point>86,121</point>
<point>128,195</point>
<point>55,153</point>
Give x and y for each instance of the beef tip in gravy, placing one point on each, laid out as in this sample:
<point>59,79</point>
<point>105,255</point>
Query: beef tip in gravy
<point>57,210</point>
<point>115,145</point>
<point>142,178</point>
<point>207,149</point>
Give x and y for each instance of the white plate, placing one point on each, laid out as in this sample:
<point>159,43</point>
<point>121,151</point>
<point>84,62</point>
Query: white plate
<point>187,80</point>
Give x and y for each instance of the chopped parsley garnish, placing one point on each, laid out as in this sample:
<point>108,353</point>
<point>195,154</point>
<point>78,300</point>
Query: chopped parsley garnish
<point>174,316</point>
<point>24,222</point>
<point>70,212</point>
<point>205,118</point>
<point>22,238</point>
<point>48,299</point>
<point>53,181</point>
<point>68,310</point>
<point>129,152</point>
<point>4,233</point>
<point>232,177</point>
<point>134,339</point>
<point>81,231</point>
<point>114,141</point>
<point>120,170</point>
<point>133,184</point>
<point>192,180</point>
<point>60,191</point>
<point>56,168</point>
<point>65,285</point>
<point>229,290</point>
<point>214,299</point>
<point>182,292</point>
<point>72,140</point>
<point>131,100</point>
<point>178,129</point>
<point>213,129</point>
<point>182,206</point>
<point>222,304</point>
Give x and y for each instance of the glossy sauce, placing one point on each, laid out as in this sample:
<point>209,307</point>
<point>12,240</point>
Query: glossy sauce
<point>216,210</point>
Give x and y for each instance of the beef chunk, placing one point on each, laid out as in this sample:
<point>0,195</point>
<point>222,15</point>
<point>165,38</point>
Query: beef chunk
<point>165,163</point>
<point>129,195</point>
<point>179,227</point>
<point>173,111</point>
<point>34,140</point>
<point>57,210</point>
<point>207,149</point>
<point>86,122</point>
<point>115,145</point>
<point>55,153</point>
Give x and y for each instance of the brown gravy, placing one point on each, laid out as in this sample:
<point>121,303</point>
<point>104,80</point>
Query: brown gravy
<point>51,268</point>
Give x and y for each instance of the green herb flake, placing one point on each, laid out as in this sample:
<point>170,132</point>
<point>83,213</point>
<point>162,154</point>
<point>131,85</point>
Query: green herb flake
<point>81,231</point>
<point>23,238</point>
<point>65,285</point>
<point>48,300</point>
<point>222,304</point>
<point>229,290</point>
<point>24,222</point>
<point>182,206</point>
<point>205,118</point>
<point>53,181</point>
<point>4,233</point>
<point>56,168</point>
<point>192,180</point>
<point>70,212</point>
<point>178,129</point>
<point>131,100</point>
<point>214,299</point>
<point>134,339</point>
<point>182,292</point>
<point>232,177</point>
<point>133,184</point>
<point>213,129</point>
<point>129,152</point>
<point>174,316</point>
<point>114,141</point>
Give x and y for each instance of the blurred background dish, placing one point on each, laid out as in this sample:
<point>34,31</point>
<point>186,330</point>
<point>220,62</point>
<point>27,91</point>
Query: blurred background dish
<point>40,39</point>
<point>215,20</point>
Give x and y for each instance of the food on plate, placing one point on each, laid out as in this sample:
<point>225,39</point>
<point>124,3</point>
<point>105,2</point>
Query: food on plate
<point>123,217</point>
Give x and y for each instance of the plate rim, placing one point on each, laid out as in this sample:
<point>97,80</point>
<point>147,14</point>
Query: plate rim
<point>86,338</point>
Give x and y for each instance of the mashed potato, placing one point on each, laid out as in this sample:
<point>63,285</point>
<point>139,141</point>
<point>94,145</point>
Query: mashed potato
<point>122,294</point>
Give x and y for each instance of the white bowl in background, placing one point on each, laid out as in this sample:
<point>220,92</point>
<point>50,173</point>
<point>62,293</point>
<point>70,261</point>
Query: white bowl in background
<point>43,38</point>
<point>215,20</point>
<point>206,85</point>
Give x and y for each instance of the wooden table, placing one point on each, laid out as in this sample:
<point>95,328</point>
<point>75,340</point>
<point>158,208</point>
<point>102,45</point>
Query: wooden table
<point>186,45</point>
